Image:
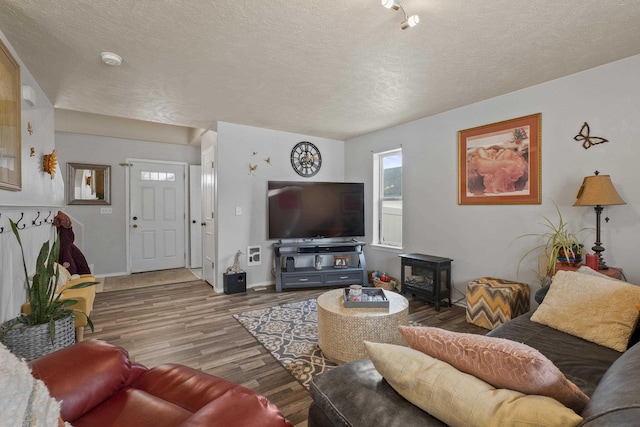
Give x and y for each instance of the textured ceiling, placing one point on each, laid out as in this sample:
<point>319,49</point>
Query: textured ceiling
<point>335,69</point>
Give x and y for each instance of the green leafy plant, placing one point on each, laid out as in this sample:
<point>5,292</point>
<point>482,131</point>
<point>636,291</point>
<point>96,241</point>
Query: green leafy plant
<point>46,304</point>
<point>558,243</point>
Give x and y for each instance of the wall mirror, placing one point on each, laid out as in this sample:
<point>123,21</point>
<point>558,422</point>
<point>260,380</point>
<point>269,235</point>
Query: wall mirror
<point>88,184</point>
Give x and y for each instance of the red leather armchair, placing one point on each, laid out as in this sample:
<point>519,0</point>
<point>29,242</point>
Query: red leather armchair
<point>100,386</point>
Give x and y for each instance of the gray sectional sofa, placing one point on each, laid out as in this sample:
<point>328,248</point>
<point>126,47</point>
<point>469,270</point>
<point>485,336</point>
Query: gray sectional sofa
<point>355,394</point>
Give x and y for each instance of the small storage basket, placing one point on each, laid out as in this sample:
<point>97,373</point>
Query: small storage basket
<point>387,286</point>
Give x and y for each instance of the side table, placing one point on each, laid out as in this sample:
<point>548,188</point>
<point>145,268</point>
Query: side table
<point>342,331</point>
<point>613,272</point>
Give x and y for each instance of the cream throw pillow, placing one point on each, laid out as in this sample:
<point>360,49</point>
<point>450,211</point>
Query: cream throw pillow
<point>595,309</point>
<point>460,399</point>
<point>63,276</point>
<point>500,362</point>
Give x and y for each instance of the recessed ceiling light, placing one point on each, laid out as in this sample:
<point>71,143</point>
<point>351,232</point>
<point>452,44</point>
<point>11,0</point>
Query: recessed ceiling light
<point>111,58</point>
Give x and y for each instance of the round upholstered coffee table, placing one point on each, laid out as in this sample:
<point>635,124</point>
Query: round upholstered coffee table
<point>342,331</point>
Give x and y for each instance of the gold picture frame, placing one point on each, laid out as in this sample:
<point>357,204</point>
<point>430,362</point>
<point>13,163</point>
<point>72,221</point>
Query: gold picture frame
<point>500,163</point>
<point>10,129</point>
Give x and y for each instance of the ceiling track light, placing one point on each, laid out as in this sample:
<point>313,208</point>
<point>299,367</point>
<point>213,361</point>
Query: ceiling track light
<point>409,21</point>
<point>391,4</point>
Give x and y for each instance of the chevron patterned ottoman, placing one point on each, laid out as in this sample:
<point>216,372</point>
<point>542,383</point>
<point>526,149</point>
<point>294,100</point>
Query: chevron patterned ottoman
<point>492,302</point>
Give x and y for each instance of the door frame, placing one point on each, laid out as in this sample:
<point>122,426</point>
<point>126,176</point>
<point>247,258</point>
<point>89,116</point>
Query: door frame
<point>215,284</point>
<point>127,191</point>
<point>198,225</point>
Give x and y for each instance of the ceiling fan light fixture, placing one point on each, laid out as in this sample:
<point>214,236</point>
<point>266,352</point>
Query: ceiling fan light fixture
<point>111,58</point>
<point>410,22</point>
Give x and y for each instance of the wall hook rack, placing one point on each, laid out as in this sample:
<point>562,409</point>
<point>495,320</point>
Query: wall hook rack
<point>36,218</point>
<point>18,222</point>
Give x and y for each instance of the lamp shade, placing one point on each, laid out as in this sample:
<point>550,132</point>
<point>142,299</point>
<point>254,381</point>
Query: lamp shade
<point>598,190</point>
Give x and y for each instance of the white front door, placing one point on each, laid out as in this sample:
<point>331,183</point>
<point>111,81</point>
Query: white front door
<point>208,215</point>
<point>157,216</point>
<point>195,212</point>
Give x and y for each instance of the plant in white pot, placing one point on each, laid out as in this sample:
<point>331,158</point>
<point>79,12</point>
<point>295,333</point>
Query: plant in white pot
<point>49,324</point>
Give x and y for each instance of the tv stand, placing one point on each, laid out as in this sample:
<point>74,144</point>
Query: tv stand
<point>303,273</point>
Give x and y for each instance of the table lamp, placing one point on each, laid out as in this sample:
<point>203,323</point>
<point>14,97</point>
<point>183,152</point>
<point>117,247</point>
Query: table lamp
<point>598,191</point>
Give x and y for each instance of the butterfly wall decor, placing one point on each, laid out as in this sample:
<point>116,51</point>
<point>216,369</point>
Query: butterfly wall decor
<point>587,140</point>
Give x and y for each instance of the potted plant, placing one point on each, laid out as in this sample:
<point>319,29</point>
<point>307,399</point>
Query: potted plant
<point>559,244</point>
<point>49,324</point>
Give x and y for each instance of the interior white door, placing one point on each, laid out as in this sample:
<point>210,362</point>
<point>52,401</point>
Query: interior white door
<point>208,218</point>
<point>157,216</point>
<point>195,213</point>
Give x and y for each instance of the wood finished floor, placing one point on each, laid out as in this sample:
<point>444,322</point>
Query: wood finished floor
<point>188,323</point>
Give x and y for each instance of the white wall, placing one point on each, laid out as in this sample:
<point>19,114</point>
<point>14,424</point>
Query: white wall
<point>480,239</point>
<point>238,188</point>
<point>105,234</point>
<point>39,193</point>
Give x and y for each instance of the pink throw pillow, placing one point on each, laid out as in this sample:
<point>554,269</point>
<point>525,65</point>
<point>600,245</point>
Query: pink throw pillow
<point>500,362</point>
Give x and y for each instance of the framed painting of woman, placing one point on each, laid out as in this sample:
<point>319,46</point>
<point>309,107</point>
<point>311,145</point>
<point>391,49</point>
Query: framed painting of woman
<point>499,163</point>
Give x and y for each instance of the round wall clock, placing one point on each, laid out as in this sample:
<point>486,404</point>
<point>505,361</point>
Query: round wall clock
<point>306,159</point>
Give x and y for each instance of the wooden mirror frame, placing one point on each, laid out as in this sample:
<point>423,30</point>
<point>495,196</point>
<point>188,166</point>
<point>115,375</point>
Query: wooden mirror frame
<point>98,179</point>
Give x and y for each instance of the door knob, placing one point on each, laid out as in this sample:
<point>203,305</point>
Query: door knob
<point>204,224</point>
<point>134,226</point>
<point>194,221</point>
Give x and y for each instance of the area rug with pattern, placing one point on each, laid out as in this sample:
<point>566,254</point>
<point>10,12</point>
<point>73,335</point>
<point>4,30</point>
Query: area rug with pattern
<point>290,333</point>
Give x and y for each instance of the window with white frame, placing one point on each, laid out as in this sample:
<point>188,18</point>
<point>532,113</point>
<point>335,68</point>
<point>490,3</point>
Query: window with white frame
<point>387,198</point>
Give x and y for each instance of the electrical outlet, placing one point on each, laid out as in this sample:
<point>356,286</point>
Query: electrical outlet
<point>238,211</point>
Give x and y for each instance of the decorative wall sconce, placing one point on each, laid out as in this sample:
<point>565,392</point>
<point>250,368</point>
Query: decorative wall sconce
<point>409,21</point>
<point>49,163</point>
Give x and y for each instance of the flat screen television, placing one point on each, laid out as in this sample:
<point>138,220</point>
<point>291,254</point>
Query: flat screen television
<point>312,210</point>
